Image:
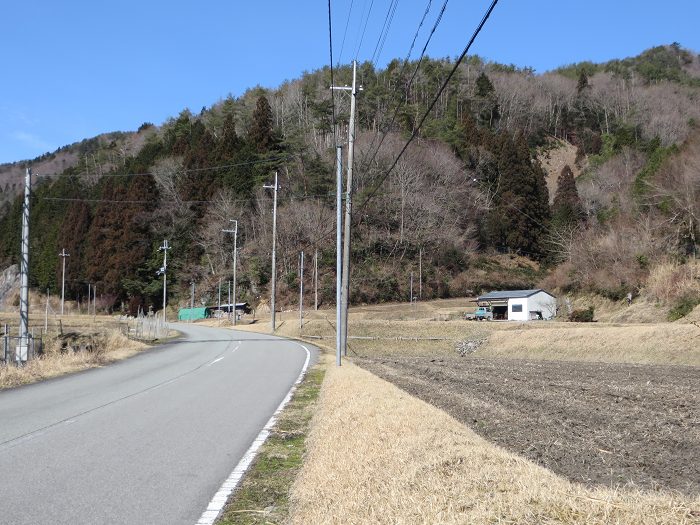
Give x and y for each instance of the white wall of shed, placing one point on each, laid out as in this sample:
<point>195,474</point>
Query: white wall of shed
<point>518,316</point>
<point>545,303</point>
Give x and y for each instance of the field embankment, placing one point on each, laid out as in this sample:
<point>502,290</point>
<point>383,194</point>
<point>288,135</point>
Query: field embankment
<point>379,455</point>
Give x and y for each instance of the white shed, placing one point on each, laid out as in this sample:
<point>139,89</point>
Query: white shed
<point>520,305</point>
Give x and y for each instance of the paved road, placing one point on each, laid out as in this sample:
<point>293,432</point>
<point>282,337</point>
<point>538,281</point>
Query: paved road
<point>148,440</point>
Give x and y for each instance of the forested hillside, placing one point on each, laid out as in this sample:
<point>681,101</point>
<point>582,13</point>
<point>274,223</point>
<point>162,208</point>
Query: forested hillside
<point>470,193</point>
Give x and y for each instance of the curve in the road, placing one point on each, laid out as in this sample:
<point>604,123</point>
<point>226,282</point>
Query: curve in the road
<point>146,440</point>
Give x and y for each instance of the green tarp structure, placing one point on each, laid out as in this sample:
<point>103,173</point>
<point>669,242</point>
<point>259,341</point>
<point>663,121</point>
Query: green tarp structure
<point>193,314</point>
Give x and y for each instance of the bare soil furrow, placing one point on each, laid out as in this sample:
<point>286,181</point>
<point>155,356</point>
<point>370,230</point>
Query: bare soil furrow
<point>594,423</point>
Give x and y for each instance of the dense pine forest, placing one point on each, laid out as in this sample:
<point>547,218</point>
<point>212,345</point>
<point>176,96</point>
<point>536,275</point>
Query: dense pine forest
<point>476,196</point>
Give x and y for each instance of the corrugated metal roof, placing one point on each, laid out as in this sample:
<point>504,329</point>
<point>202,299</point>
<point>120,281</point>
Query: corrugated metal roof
<point>510,294</point>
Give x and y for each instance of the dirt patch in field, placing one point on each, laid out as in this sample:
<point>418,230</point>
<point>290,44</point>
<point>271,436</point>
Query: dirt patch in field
<point>593,423</point>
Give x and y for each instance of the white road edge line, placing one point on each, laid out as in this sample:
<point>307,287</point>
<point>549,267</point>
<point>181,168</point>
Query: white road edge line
<point>217,503</point>
<point>215,360</point>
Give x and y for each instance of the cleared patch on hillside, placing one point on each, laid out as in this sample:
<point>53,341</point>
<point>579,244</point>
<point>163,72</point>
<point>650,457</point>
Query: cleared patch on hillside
<point>553,158</point>
<point>379,455</point>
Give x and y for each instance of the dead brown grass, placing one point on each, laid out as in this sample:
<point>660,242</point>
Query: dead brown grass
<point>677,344</point>
<point>107,344</point>
<point>669,282</point>
<point>378,455</point>
<point>661,343</point>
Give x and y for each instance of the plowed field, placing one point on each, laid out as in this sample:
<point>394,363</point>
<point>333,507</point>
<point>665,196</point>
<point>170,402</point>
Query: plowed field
<point>596,424</point>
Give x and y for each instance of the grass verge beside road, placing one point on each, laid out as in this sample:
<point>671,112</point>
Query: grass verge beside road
<point>89,342</point>
<point>263,496</point>
<point>379,455</point>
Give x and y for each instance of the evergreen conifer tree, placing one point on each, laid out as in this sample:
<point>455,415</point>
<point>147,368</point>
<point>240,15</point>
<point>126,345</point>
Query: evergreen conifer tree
<point>582,83</point>
<point>261,134</point>
<point>567,208</point>
<point>486,103</point>
<point>521,214</point>
<point>484,86</point>
<point>229,144</point>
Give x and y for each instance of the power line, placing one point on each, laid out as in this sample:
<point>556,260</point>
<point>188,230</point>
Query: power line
<point>330,46</point>
<point>212,168</point>
<point>369,12</point>
<point>237,201</point>
<point>347,23</point>
<point>388,19</point>
<point>410,82</point>
<point>432,104</point>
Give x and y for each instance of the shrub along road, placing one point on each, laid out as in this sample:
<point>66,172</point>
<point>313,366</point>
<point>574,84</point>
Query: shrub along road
<point>593,423</point>
<point>146,440</point>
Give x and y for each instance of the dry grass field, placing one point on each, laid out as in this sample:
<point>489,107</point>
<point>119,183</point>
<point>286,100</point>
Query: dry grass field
<point>610,409</point>
<point>86,342</point>
<point>389,330</point>
<point>379,455</point>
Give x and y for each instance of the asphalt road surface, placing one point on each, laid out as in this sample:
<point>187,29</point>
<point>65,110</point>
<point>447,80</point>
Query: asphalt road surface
<point>148,440</point>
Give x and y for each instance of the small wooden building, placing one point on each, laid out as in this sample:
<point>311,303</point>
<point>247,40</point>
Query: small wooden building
<point>520,305</point>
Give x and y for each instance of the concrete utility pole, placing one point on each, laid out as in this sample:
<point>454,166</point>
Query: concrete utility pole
<point>46,314</point>
<point>89,298</point>
<point>338,254</point>
<point>94,300</point>
<point>235,252</point>
<point>189,320</point>
<point>301,291</point>
<point>348,207</point>
<point>21,354</point>
<point>219,313</point>
<point>164,270</point>
<point>316,279</point>
<point>420,274</point>
<point>273,292</point>
<point>63,279</point>
<point>229,300</point>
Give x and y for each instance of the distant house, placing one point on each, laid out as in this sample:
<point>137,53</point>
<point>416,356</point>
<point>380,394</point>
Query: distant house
<point>241,308</point>
<point>520,305</point>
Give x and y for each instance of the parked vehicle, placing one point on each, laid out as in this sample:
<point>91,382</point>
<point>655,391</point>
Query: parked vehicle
<point>481,313</point>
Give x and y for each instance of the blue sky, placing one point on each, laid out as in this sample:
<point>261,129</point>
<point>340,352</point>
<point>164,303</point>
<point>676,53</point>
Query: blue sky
<point>74,69</point>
